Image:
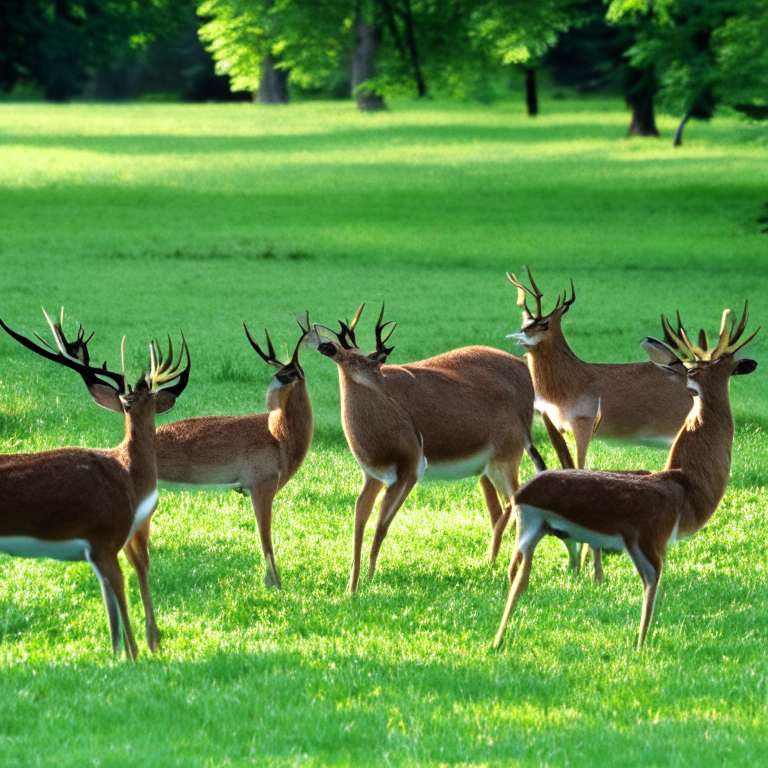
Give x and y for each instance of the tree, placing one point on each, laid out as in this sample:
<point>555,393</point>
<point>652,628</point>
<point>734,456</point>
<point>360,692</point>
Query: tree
<point>59,43</point>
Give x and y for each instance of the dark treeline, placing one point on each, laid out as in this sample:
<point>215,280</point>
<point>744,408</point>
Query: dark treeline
<point>682,56</point>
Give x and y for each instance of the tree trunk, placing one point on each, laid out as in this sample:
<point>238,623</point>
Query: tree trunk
<point>367,41</point>
<point>273,88</point>
<point>679,132</point>
<point>531,98</point>
<point>640,88</point>
<point>410,39</point>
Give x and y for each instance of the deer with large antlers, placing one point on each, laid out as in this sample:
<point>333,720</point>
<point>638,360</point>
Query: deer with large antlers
<point>628,401</point>
<point>88,504</point>
<point>463,413</point>
<point>643,513</point>
<point>259,453</point>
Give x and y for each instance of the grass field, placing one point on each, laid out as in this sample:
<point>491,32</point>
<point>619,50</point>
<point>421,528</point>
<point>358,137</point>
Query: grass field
<point>143,220</point>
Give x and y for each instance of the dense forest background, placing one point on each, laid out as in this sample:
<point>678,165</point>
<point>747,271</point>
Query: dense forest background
<point>685,57</point>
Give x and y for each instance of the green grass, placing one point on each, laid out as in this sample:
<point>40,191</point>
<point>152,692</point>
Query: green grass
<point>143,220</point>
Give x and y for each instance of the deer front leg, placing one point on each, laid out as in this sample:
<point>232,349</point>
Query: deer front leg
<point>393,499</point>
<point>363,508</point>
<point>262,495</point>
<point>137,552</point>
<point>107,570</point>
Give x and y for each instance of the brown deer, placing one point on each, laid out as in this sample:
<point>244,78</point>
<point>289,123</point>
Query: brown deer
<point>628,401</point>
<point>259,453</point>
<point>463,413</point>
<point>644,512</point>
<point>88,504</point>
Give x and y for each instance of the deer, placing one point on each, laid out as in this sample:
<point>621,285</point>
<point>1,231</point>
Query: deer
<point>88,504</point>
<point>627,401</point>
<point>256,453</point>
<point>642,512</point>
<point>462,413</point>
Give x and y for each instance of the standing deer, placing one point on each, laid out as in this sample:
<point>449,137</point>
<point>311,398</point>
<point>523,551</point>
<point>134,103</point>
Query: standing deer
<point>88,504</point>
<point>643,512</point>
<point>260,453</point>
<point>463,413</point>
<point>629,401</point>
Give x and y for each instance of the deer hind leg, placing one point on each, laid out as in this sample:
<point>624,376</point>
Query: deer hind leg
<point>583,429</point>
<point>506,480</point>
<point>393,499</point>
<point>649,566</point>
<point>137,552</point>
<point>262,495</point>
<point>558,443</point>
<point>530,531</point>
<point>107,570</point>
<point>363,509</point>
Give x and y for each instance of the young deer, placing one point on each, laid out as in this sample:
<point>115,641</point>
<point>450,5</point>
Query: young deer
<point>630,401</point>
<point>463,413</point>
<point>88,504</point>
<point>260,453</point>
<point>643,512</point>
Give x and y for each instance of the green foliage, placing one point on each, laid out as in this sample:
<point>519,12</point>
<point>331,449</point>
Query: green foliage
<point>143,219</point>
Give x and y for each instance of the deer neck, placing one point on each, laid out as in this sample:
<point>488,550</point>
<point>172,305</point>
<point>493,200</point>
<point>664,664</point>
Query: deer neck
<point>292,423</point>
<point>702,450</point>
<point>555,369</point>
<point>137,451</point>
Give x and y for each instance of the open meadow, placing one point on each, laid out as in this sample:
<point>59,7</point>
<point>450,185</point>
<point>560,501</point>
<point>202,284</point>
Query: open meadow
<point>147,219</point>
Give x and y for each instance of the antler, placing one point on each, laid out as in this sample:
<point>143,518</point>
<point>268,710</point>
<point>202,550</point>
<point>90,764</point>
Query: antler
<point>163,373</point>
<point>347,336</point>
<point>728,342</point>
<point>72,354</point>
<point>270,357</point>
<point>522,290</point>
<point>381,349</point>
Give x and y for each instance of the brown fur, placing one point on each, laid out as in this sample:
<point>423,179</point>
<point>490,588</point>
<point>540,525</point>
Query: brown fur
<point>642,509</point>
<point>447,408</point>
<point>260,453</point>
<point>90,494</point>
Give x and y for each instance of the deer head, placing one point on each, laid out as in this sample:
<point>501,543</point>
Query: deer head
<point>536,326</point>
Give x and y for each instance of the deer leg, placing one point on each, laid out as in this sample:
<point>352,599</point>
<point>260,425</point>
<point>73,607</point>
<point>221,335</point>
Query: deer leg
<point>107,570</point>
<point>558,443</point>
<point>363,509</point>
<point>583,429</point>
<point>137,552</point>
<point>491,499</point>
<point>530,533</point>
<point>262,496</point>
<point>506,480</point>
<point>393,499</point>
<point>649,567</point>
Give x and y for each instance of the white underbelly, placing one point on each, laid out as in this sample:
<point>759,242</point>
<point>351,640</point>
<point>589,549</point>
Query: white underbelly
<point>469,466</point>
<point>195,487</point>
<point>575,531</point>
<point>27,546</point>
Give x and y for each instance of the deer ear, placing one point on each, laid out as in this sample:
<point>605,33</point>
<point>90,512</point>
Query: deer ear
<point>164,401</point>
<point>744,366</point>
<point>106,397</point>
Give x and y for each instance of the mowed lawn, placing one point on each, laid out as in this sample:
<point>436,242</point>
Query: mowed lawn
<point>147,219</point>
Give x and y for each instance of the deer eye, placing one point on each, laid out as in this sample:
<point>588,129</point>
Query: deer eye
<point>544,326</point>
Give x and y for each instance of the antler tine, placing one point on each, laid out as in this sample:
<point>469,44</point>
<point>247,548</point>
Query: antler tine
<point>570,301</point>
<point>356,317</point>
<point>537,295</point>
<point>673,339</point>
<point>733,342</point>
<point>296,318</point>
<point>167,374</point>
<point>380,339</point>
<point>347,336</point>
<point>703,341</point>
<point>269,358</point>
<point>521,291</point>
<point>742,325</point>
